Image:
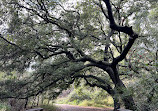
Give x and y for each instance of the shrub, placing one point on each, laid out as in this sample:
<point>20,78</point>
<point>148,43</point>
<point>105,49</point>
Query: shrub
<point>79,95</point>
<point>85,96</point>
<point>87,103</point>
<point>4,107</point>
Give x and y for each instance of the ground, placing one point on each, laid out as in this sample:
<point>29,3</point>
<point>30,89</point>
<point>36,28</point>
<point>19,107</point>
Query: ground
<point>64,107</point>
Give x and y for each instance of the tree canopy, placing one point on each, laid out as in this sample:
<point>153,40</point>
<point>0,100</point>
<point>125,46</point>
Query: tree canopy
<point>104,42</point>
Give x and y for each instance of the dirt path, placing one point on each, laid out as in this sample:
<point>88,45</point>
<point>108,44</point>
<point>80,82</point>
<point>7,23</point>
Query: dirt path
<point>64,107</point>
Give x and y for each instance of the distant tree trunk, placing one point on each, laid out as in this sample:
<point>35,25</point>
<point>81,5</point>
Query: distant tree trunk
<point>33,101</point>
<point>38,99</point>
<point>48,101</point>
<point>129,103</point>
<point>26,103</point>
<point>42,99</point>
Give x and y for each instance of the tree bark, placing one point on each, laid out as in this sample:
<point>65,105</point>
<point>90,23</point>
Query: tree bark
<point>125,96</point>
<point>116,103</point>
<point>26,102</point>
<point>121,90</point>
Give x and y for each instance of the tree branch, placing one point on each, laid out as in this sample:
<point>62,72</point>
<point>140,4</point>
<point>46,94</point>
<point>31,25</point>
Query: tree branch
<point>46,57</point>
<point>102,9</point>
<point>125,29</point>
<point>125,51</point>
<point>106,86</point>
<point>10,42</point>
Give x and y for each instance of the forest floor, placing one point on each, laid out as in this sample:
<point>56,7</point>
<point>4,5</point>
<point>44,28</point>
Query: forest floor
<point>65,107</point>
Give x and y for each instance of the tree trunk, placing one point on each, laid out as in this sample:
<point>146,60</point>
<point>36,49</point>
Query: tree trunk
<point>115,97</point>
<point>126,96</point>
<point>26,102</point>
<point>121,89</point>
<point>129,103</point>
<point>48,102</point>
<point>116,103</point>
<point>42,99</point>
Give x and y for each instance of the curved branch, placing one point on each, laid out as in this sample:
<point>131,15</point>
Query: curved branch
<point>125,29</point>
<point>106,86</point>
<point>125,51</point>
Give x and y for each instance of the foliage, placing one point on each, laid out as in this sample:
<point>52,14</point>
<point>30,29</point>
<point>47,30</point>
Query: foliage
<point>90,40</point>
<point>144,85</point>
<point>86,96</point>
<point>4,107</point>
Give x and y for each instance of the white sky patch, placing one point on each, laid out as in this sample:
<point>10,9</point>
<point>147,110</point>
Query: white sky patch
<point>68,4</point>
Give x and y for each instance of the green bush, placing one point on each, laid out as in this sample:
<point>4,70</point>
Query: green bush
<point>4,107</point>
<point>87,103</point>
<point>78,96</point>
<point>109,101</point>
<point>62,100</point>
<point>85,96</point>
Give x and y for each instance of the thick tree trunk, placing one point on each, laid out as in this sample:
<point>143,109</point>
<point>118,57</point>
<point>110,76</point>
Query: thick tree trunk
<point>127,100</point>
<point>115,97</point>
<point>129,103</point>
<point>121,89</point>
<point>126,96</point>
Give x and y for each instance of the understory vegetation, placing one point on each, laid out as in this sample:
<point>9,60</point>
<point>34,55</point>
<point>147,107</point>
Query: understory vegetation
<point>86,96</point>
<point>4,107</point>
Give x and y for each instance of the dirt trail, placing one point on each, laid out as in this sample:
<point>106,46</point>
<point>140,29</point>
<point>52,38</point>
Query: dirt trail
<point>65,107</point>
